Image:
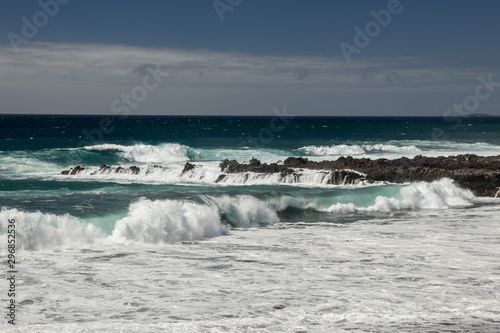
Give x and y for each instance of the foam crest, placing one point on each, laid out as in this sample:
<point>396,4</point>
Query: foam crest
<point>240,154</point>
<point>336,150</point>
<point>244,210</point>
<point>440,194</point>
<point>390,148</point>
<point>164,153</point>
<point>36,230</point>
<point>332,150</point>
<point>167,221</point>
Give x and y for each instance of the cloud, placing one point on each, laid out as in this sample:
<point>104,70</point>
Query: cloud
<point>119,64</point>
<point>301,73</point>
<point>101,71</point>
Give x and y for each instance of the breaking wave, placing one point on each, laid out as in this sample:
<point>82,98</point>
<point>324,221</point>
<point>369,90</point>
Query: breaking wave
<point>440,194</point>
<point>36,230</point>
<point>344,150</point>
<point>164,153</point>
<point>169,221</point>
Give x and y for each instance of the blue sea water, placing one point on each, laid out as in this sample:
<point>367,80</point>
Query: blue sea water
<point>185,230</point>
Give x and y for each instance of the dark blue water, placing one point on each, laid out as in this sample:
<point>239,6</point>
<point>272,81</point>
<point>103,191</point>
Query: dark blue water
<point>35,132</point>
<point>34,149</point>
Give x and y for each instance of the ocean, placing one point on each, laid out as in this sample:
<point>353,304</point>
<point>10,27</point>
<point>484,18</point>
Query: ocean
<point>163,249</point>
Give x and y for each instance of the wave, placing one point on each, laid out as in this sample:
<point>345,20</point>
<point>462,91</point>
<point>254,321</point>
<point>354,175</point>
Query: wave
<point>36,230</point>
<point>163,153</point>
<point>167,221</point>
<point>21,165</point>
<point>205,216</point>
<point>147,221</point>
<point>239,154</point>
<point>243,210</point>
<point>344,150</point>
<point>398,148</point>
<point>440,194</point>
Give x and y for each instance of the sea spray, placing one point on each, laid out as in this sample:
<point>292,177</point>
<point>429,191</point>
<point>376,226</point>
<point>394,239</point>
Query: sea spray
<point>37,230</point>
<point>163,153</point>
<point>347,150</point>
<point>167,221</point>
<point>243,210</point>
<point>440,194</point>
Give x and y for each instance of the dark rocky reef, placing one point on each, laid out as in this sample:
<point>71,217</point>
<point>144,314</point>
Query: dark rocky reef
<point>479,174</point>
<point>103,169</point>
<point>73,171</point>
<point>336,177</point>
<point>253,166</point>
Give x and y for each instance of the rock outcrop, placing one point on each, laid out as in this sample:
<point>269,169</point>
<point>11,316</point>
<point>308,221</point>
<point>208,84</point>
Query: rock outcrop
<point>188,166</point>
<point>104,169</point>
<point>73,171</point>
<point>254,166</point>
<point>336,177</point>
<point>479,174</point>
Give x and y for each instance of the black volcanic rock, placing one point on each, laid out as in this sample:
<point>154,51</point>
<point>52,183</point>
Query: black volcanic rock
<point>188,166</point>
<point>254,162</point>
<point>135,170</point>
<point>220,178</point>
<point>255,166</point>
<point>73,171</point>
<point>479,174</point>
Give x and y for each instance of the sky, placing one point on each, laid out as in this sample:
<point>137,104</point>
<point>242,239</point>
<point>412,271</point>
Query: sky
<point>247,57</point>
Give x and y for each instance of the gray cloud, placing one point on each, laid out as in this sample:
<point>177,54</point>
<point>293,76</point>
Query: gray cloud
<point>99,72</point>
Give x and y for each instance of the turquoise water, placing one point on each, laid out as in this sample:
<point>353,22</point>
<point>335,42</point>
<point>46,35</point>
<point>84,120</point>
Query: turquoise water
<point>166,251</point>
<point>34,149</point>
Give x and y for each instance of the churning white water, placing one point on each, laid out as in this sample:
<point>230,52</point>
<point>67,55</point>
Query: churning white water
<point>426,271</point>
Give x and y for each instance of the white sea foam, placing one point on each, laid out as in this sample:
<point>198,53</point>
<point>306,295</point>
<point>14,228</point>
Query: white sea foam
<point>343,150</point>
<point>147,221</point>
<point>440,194</point>
<point>36,230</point>
<point>167,221</point>
<point>164,153</point>
<point>162,221</point>
<point>265,155</point>
<point>209,173</point>
<point>244,210</point>
<point>398,148</point>
<point>170,221</point>
<point>401,274</point>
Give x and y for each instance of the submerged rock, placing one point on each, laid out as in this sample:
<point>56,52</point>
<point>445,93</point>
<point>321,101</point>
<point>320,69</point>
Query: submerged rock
<point>73,171</point>
<point>135,170</point>
<point>220,178</point>
<point>188,166</point>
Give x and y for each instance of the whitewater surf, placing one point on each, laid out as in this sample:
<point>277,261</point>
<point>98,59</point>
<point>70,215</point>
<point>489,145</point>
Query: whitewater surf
<point>147,231</point>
